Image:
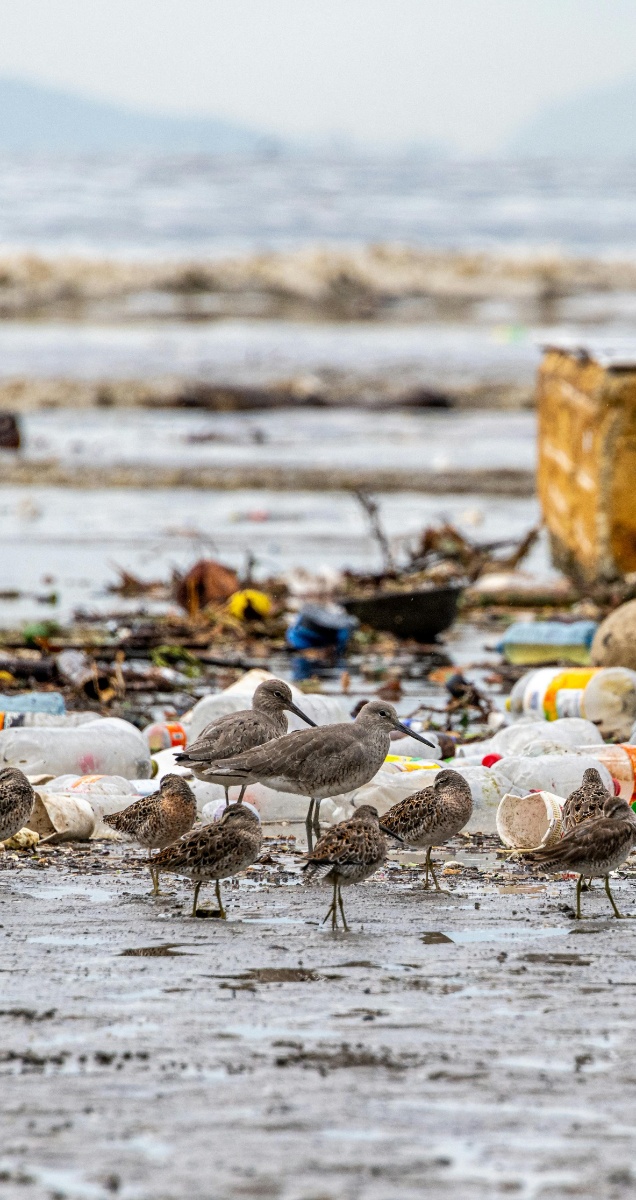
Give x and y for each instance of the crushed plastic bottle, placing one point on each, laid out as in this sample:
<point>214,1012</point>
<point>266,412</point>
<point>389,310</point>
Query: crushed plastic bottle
<point>107,747</point>
<point>45,720</point>
<point>569,732</point>
<point>560,774</point>
<point>606,696</point>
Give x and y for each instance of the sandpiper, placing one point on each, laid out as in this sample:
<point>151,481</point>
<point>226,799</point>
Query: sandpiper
<point>157,821</point>
<point>346,854</point>
<point>587,801</point>
<point>320,762</point>
<point>240,731</point>
<point>217,851</point>
<point>431,816</point>
<point>594,848</point>
<point>16,801</point>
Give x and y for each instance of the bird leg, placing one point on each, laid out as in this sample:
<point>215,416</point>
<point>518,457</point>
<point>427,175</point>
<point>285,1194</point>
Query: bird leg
<point>310,841</point>
<point>579,884</point>
<point>429,866</point>
<point>317,804</point>
<point>220,902</point>
<point>241,794</point>
<point>227,796</point>
<point>344,919</point>
<point>197,889</point>
<point>154,875</point>
<point>611,898</point>
<point>332,910</point>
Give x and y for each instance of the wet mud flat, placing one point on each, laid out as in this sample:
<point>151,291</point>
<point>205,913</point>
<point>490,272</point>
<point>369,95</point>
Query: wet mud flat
<point>473,1043</point>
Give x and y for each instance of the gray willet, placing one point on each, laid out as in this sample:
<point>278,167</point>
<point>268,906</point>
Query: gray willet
<point>157,821</point>
<point>432,816</point>
<point>218,851</point>
<point>320,762</point>
<point>16,801</point>
<point>240,731</point>
<point>594,848</point>
<point>346,854</point>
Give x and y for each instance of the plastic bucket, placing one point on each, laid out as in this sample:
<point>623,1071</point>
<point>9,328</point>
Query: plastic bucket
<point>530,822</point>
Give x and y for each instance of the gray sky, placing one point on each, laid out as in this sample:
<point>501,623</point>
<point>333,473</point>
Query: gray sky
<point>463,71</point>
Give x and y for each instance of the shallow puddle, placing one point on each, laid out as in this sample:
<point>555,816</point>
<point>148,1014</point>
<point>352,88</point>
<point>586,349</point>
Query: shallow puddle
<point>463,936</point>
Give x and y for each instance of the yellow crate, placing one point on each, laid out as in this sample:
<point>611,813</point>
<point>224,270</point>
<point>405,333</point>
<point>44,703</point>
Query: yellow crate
<point>586,399</point>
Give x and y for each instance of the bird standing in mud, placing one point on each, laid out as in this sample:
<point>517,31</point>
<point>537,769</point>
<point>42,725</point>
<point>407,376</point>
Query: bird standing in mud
<point>431,816</point>
<point>321,762</point>
<point>348,853</point>
<point>587,801</point>
<point>158,820</point>
<point>594,848</point>
<point>240,731</point>
<point>218,851</point>
<point>16,801</point>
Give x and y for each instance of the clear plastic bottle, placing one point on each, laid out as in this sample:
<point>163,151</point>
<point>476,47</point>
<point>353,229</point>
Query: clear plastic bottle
<point>559,774</point>
<point>107,747</point>
<point>46,720</point>
<point>33,702</point>
<point>606,696</point>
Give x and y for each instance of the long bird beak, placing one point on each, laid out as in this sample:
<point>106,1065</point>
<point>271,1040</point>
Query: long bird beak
<point>390,833</point>
<point>291,707</point>
<point>410,733</point>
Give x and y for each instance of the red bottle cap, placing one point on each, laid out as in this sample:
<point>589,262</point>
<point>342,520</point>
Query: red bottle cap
<point>489,760</point>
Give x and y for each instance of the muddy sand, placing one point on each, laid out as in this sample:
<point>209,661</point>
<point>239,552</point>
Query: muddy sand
<point>469,1044</point>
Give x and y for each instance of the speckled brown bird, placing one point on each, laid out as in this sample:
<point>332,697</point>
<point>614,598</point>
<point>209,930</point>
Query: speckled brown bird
<point>16,801</point>
<point>348,853</point>
<point>158,820</point>
<point>594,848</point>
<point>240,731</point>
<point>321,762</point>
<point>218,851</point>
<point>587,801</point>
<point>432,816</point>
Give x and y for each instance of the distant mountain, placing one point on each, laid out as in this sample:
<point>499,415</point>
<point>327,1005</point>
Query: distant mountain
<point>41,119</point>
<point>600,122</point>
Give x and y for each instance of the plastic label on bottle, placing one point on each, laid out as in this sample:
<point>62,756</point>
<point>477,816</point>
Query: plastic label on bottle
<point>631,753</point>
<point>569,702</point>
<point>575,680</point>
<point>83,780</point>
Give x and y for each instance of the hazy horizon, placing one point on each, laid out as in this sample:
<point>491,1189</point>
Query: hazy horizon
<point>467,74</point>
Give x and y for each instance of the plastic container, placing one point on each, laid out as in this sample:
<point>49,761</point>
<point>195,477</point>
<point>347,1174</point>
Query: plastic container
<point>161,735</point>
<point>560,774</point>
<point>528,822</point>
<point>324,710</point>
<point>107,747</point>
<point>62,818</point>
<point>548,641</point>
<point>318,626</point>
<point>606,696</point>
<point>33,702</point>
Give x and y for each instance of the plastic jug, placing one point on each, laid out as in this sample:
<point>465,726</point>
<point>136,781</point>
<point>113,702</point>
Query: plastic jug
<point>107,747</point>
<point>620,761</point>
<point>606,696</point>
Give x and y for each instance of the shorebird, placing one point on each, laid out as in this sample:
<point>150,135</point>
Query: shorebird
<point>347,854</point>
<point>16,801</point>
<point>587,801</point>
<point>594,848</point>
<point>431,816</point>
<point>217,851</point>
<point>240,731</point>
<point>157,821</point>
<point>320,762</point>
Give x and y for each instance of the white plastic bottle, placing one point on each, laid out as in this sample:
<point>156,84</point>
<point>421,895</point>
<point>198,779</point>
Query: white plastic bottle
<point>606,696</point>
<point>107,747</point>
<point>560,774</point>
